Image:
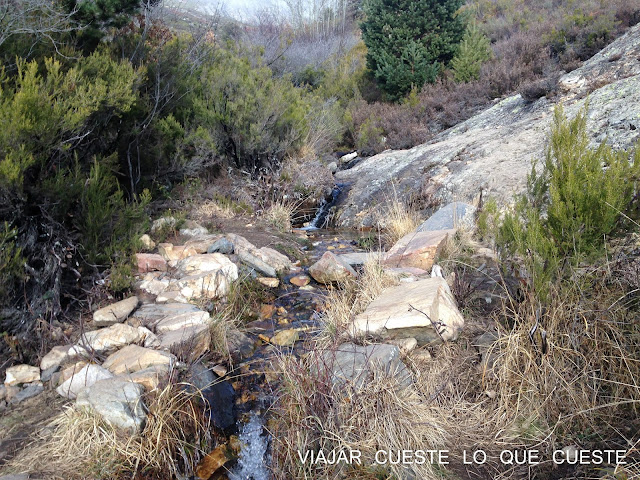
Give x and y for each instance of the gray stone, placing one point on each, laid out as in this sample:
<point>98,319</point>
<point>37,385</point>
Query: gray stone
<point>115,313</point>
<point>333,167</point>
<point>330,269</point>
<point>355,364</point>
<point>451,216</point>
<point>86,377</point>
<point>240,345</point>
<point>360,258</point>
<point>193,229</point>
<point>46,375</point>
<point>31,390</point>
<point>222,245</point>
<point>118,401</point>
<point>151,313</point>
<point>191,342</point>
<point>15,476</point>
<point>257,263</point>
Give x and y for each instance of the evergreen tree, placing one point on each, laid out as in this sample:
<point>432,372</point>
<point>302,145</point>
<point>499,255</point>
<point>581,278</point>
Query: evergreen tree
<point>474,50</point>
<point>408,39</point>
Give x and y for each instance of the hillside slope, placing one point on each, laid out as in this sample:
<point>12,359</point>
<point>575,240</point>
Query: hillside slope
<point>492,151</point>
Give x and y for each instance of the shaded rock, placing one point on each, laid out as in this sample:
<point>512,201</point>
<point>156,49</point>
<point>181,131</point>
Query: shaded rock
<point>222,245</point>
<point>60,355</point>
<point>189,343</point>
<point>46,375</point>
<point>240,346</point>
<point>269,282</point>
<point>115,313</point>
<point>183,320</point>
<point>417,249</point>
<point>406,345</point>
<point>450,217</point>
<point>150,262</point>
<point>390,315</point>
<point>118,401</point>
<point>21,374</point>
<point>286,338</point>
<point>85,377</point>
<point>11,391</point>
<point>355,364</point>
<point>299,280</point>
<point>201,243</point>
<point>147,243</point>
<point>218,394</point>
<point>359,258</point>
<point>133,358</point>
<point>172,253</point>
<point>150,378</point>
<point>110,338</point>
<point>30,390</point>
<point>331,268</point>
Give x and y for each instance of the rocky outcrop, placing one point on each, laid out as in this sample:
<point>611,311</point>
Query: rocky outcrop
<point>492,151</point>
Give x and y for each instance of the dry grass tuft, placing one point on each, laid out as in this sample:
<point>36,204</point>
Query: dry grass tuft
<point>78,444</point>
<point>396,221</point>
<point>279,215</point>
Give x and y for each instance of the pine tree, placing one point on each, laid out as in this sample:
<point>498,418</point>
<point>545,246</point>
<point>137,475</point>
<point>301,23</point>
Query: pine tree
<point>407,40</point>
<point>474,50</point>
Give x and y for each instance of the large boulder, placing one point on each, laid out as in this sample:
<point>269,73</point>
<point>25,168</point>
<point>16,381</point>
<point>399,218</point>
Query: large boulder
<point>85,377</point>
<point>115,313</point>
<point>450,217</point>
<point>117,401</point>
<point>331,268</point>
<point>425,310</point>
<point>417,249</point>
<point>355,364</point>
<point>206,276</point>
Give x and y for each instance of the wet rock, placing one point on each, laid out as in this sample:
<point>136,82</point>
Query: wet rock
<point>115,313</point>
<point>183,320</point>
<point>172,253</point>
<point>391,314</point>
<point>330,269</point>
<point>223,245</point>
<point>111,338</point>
<point>118,401</point>
<point>299,280</point>
<point>134,358</point>
<point>85,377</point>
<point>19,374</point>
<point>450,217</point>
<point>355,364</point>
<point>150,262</point>
<point>417,249</point>
<point>218,394</point>
<point>187,342</point>
<point>212,462</point>
<point>60,355</point>
<point>286,338</point>
<point>240,345</point>
<point>269,282</point>
<point>147,243</point>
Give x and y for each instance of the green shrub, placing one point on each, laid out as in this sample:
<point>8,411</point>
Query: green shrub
<point>572,204</point>
<point>474,50</point>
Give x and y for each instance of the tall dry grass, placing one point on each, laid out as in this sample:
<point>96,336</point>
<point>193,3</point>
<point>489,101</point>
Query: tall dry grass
<point>396,220</point>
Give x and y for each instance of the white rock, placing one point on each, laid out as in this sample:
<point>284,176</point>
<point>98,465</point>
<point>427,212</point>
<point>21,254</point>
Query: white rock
<point>118,401</point>
<point>133,358</point>
<point>22,374</point>
<point>110,338</point>
<point>60,355</point>
<point>184,320</point>
<point>147,243</point>
<point>86,377</point>
<point>115,313</point>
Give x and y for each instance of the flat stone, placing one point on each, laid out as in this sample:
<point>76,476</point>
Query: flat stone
<point>151,313</point>
<point>30,390</point>
<point>190,342</point>
<point>85,377</point>
<point>269,282</point>
<point>183,320</point>
<point>204,263</point>
<point>118,401</point>
<point>133,358</point>
<point>285,338</point>
<point>330,269</point>
<point>115,313</point>
<point>355,364</point>
<point>390,315</point>
<point>257,263</point>
<point>60,355</point>
<point>360,258</point>
<point>417,249</point>
<point>172,296</point>
<point>21,374</point>
<point>266,260</point>
<point>222,245</point>
<point>150,378</point>
<point>111,338</point>
<point>299,280</point>
<point>172,253</point>
<point>452,216</point>
<point>149,262</point>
